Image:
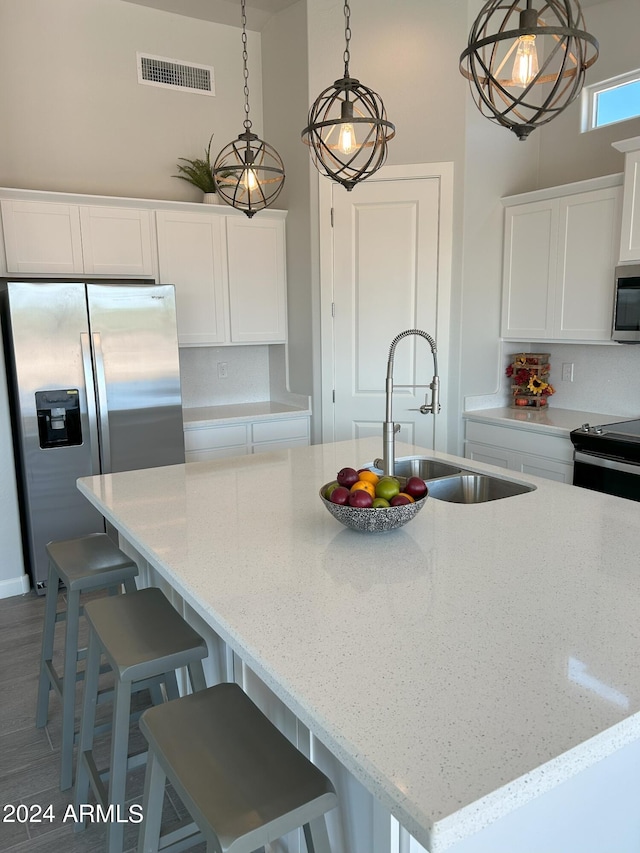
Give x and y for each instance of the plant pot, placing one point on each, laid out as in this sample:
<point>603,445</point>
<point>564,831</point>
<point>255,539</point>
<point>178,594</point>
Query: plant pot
<point>211,198</point>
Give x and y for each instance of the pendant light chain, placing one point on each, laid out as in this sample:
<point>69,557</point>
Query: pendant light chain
<point>347,130</point>
<point>249,173</point>
<point>245,70</point>
<point>347,37</point>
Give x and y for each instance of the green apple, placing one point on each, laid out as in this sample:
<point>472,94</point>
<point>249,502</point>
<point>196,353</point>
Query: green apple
<point>387,488</point>
<point>379,503</point>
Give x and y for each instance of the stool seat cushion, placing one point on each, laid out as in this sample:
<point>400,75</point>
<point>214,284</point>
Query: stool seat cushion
<point>142,634</point>
<point>232,767</point>
<point>84,563</point>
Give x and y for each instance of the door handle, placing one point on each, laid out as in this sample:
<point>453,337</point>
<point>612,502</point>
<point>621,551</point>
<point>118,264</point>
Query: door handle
<point>90,393</point>
<point>103,410</point>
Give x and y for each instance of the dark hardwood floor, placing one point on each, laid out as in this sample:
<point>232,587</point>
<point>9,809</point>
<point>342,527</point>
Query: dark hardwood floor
<point>29,757</point>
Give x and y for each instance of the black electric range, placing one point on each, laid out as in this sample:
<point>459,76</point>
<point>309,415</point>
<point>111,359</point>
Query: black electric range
<point>607,458</point>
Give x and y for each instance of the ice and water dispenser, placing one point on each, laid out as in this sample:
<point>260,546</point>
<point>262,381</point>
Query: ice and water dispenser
<point>58,418</point>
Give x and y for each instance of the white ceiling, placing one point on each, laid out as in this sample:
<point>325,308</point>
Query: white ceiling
<point>221,11</point>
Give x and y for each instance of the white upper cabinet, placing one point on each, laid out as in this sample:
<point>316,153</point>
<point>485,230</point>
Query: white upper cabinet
<point>559,256</point>
<point>116,241</point>
<point>630,234</point>
<point>257,288</point>
<point>191,257</point>
<point>40,237</point>
<point>229,274</point>
<point>49,238</point>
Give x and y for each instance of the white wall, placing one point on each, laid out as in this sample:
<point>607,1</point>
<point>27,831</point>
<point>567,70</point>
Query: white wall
<point>74,116</point>
<point>285,99</point>
<point>568,155</point>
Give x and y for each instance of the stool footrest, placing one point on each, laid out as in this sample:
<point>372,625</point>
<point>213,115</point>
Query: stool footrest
<point>180,839</point>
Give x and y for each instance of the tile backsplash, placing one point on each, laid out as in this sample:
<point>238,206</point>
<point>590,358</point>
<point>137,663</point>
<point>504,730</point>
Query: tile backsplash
<point>606,378</point>
<point>247,377</point>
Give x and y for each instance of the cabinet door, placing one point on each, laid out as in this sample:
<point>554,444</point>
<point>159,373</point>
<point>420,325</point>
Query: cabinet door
<point>42,237</point>
<point>539,466</point>
<point>190,256</point>
<point>116,241</point>
<point>257,282</point>
<point>630,240</point>
<point>530,252</point>
<point>589,235</point>
<point>487,454</point>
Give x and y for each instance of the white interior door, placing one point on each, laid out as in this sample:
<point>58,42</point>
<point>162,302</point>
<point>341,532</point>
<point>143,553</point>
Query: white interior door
<point>388,269</point>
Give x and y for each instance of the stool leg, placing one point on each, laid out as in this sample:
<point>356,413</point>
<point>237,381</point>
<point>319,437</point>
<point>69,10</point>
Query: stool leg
<point>87,723</point>
<point>316,836</point>
<point>48,634</point>
<point>69,689</point>
<point>152,802</point>
<point>171,685</point>
<point>196,676</point>
<point>118,765</point>
<point>130,585</point>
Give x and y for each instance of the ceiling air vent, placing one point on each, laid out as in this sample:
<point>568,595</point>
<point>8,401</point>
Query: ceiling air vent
<point>173,74</point>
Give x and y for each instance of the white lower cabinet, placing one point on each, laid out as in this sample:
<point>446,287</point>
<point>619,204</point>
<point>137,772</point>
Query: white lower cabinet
<point>518,449</point>
<point>205,441</point>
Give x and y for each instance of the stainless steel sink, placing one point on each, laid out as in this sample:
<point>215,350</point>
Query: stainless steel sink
<point>420,466</point>
<point>470,488</point>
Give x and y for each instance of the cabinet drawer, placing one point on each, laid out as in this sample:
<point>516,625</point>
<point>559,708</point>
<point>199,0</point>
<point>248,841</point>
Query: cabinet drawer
<point>286,444</point>
<point>280,430</point>
<point>215,453</point>
<point>524,441</point>
<point>211,437</point>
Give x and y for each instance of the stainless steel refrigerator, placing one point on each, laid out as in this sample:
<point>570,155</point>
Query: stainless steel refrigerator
<point>94,385</point>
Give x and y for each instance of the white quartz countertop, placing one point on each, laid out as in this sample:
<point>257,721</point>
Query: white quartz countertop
<point>547,420</point>
<point>239,413</point>
<point>459,667</point>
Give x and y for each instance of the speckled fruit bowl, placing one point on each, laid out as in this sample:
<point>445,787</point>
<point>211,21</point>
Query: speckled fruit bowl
<point>372,520</point>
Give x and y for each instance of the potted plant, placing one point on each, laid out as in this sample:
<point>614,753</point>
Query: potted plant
<point>199,173</point>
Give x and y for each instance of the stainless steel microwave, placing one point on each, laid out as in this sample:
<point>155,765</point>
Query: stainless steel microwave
<point>626,306</point>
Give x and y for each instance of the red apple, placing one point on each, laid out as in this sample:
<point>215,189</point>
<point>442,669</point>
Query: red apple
<point>399,500</point>
<point>347,477</point>
<point>360,498</point>
<point>340,496</point>
<point>416,487</point>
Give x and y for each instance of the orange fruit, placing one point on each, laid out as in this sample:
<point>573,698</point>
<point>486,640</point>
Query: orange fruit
<point>363,484</point>
<point>368,477</point>
<point>411,500</point>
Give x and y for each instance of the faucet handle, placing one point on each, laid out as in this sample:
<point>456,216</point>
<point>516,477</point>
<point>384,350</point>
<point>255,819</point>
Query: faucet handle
<point>397,428</point>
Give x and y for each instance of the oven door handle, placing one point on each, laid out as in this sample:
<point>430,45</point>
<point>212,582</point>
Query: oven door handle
<point>601,462</point>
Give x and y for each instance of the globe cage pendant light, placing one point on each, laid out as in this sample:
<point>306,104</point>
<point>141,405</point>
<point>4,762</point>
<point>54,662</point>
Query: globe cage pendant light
<point>525,65</point>
<point>347,131</point>
<point>248,172</point>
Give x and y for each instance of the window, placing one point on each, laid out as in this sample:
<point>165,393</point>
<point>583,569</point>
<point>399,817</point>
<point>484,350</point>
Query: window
<point>611,101</point>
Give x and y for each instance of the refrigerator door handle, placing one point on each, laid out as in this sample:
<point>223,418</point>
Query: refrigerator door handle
<point>91,402</point>
<point>103,410</point>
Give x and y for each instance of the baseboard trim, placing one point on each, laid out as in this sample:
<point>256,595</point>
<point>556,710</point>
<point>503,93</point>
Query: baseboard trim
<point>14,586</point>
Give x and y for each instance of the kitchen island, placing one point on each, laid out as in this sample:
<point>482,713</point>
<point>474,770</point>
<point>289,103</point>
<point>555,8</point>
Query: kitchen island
<point>475,671</point>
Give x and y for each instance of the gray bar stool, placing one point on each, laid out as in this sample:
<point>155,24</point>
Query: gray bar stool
<point>88,563</point>
<point>243,783</point>
<point>142,636</point>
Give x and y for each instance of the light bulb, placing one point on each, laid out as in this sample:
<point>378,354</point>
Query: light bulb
<point>525,66</point>
<point>250,180</point>
<point>347,140</point>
